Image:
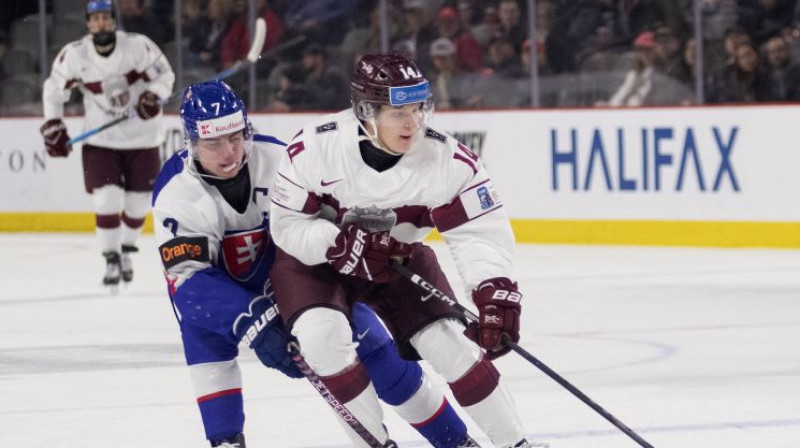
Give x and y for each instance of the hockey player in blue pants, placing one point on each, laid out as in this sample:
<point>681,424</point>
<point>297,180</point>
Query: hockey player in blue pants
<point>211,207</point>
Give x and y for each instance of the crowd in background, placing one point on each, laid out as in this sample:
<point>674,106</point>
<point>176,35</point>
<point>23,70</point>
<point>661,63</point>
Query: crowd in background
<point>477,53</point>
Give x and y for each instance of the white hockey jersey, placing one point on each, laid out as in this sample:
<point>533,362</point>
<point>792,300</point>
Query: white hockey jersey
<point>111,86</point>
<point>324,183</point>
<point>186,210</point>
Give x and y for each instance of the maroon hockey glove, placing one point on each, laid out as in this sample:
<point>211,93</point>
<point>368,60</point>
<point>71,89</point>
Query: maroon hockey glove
<point>499,305</point>
<point>55,138</point>
<point>149,105</point>
<point>366,255</point>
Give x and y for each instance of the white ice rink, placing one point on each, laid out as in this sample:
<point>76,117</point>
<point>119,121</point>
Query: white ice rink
<point>692,348</point>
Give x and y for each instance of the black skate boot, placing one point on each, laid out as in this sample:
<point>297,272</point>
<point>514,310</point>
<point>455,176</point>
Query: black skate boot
<point>126,264</point>
<point>111,278</point>
<point>236,441</point>
<point>390,444</point>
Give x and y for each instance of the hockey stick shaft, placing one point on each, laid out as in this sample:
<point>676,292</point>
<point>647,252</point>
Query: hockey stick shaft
<point>253,55</point>
<point>331,399</point>
<point>429,288</point>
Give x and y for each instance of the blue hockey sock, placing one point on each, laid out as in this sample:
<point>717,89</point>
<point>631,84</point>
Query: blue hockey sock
<point>444,429</point>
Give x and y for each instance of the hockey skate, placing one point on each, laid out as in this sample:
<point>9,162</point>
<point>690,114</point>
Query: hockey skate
<point>233,442</point>
<point>126,264</point>
<point>112,276</point>
<point>525,444</point>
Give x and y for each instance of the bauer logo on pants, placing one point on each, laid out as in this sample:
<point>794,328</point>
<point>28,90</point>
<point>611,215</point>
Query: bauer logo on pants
<point>184,248</point>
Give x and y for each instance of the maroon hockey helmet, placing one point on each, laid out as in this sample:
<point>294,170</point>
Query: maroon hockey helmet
<point>387,79</point>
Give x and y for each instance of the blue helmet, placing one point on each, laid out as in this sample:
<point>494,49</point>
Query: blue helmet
<point>94,6</point>
<point>211,109</point>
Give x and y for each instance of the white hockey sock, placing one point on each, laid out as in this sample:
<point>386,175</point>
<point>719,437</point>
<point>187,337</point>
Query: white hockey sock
<point>109,239</point>
<point>425,402</point>
<point>137,205</point>
<point>367,410</point>
<point>497,417</point>
<point>325,339</point>
<point>107,201</point>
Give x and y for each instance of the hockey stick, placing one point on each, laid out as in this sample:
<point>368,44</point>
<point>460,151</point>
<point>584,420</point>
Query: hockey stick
<point>429,288</point>
<point>253,54</point>
<point>331,399</point>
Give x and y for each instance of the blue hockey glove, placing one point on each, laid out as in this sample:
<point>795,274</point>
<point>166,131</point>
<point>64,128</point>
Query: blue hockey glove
<point>263,331</point>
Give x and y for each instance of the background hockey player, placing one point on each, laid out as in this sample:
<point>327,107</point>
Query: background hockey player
<point>362,187</point>
<point>211,206</point>
<point>118,73</point>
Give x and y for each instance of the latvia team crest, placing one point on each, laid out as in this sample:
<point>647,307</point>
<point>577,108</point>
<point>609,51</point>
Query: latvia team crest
<point>243,252</point>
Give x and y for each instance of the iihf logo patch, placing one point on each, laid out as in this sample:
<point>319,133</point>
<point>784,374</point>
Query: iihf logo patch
<point>485,196</point>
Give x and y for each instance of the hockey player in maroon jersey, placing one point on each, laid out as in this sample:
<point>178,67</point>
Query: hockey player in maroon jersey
<point>362,187</point>
<point>118,73</point>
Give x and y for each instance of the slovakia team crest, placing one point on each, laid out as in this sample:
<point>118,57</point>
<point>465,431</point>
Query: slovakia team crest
<point>243,252</point>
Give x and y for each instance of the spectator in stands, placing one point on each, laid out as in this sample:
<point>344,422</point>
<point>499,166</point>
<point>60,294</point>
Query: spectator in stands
<point>669,51</point>
<point>466,14</point>
<point>599,53</point>
<point>404,47</point>
<point>743,82</point>
<point>207,33</point>
<point>511,23</point>
<point>136,19</point>
<point>783,74</point>
<point>292,93</point>
<point>502,59</point>
<point>638,82</point>
<point>688,68</point>
<point>450,86</point>
<point>418,30</point>
<point>321,21</point>
<point>487,27</point>
<point>469,55</point>
<point>327,86</point>
<point>644,15</point>
<point>499,77</point>
<point>236,42</point>
<point>575,24</point>
<point>764,19</point>
<point>365,40</point>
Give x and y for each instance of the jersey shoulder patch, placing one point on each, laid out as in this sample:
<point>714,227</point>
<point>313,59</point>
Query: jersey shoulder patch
<point>327,127</point>
<point>430,133</point>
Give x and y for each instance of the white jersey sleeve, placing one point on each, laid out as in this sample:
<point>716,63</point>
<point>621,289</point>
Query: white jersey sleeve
<point>474,223</point>
<point>188,227</point>
<point>154,67</point>
<point>295,224</point>
<point>58,86</point>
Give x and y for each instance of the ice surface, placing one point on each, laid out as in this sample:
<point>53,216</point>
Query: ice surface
<point>692,348</point>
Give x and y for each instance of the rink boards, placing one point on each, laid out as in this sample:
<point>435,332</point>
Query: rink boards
<point>711,176</point>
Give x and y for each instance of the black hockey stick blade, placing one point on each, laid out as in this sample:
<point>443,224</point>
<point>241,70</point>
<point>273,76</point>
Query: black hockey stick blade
<point>429,288</point>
